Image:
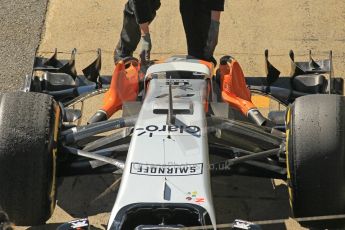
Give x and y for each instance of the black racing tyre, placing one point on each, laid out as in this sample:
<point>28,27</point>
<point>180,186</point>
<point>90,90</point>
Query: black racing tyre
<point>316,158</point>
<point>28,132</point>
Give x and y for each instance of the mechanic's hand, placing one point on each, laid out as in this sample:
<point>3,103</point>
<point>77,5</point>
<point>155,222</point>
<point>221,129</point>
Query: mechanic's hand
<point>5,224</point>
<point>212,39</point>
<point>146,47</point>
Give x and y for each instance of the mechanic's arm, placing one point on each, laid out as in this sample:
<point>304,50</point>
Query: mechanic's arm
<point>5,224</point>
<point>145,41</point>
<point>217,6</point>
<point>144,28</point>
<point>143,15</point>
<point>215,15</point>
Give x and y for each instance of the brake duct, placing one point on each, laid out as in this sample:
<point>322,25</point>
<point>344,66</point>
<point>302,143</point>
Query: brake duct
<point>124,86</point>
<point>235,91</point>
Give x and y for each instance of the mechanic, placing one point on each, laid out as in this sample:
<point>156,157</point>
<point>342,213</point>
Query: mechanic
<point>200,21</point>
<point>138,14</point>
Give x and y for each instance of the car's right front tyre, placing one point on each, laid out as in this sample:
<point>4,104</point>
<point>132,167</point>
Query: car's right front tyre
<point>29,125</point>
<point>316,158</point>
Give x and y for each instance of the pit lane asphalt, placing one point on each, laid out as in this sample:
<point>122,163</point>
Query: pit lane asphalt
<point>247,28</point>
<point>21,24</point>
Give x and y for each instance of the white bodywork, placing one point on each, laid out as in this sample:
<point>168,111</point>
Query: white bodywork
<point>169,163</point>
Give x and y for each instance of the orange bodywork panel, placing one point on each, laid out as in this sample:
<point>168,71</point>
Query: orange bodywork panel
<point>124,86</point>
<point>234,88</point>
<point>209,65</point>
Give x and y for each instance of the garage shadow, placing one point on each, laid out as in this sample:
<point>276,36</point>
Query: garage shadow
<point>85,196</point>
<point>250,199</point>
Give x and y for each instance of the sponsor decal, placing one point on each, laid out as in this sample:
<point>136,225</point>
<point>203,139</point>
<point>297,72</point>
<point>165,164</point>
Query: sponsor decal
<point>177,82</point>
<point>79,224</point>
<point>193,197</point>
<point>166,170</point>
<point>194,194</point>
<point>151,130</point>
<point>200,200</point>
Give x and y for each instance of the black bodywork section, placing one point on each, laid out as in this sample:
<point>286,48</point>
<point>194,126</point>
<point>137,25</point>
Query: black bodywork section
<point>184,215</point>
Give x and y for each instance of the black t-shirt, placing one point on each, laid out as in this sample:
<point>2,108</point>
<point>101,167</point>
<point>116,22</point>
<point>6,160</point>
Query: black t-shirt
<point>217,5</point>
<point>145,10</point>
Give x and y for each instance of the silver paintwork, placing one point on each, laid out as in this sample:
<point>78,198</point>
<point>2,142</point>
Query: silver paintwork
<point>179,152</point>
<point>179,65</point>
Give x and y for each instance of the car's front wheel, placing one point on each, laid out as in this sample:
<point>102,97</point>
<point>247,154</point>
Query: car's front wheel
<point>316,158</point>
<point>28,134</point>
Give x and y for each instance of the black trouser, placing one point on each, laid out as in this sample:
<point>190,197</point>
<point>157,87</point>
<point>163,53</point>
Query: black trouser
<point>130,33</point>
<point>196,18</point>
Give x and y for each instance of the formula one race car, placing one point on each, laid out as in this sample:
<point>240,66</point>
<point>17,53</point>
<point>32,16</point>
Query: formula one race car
<point>175,114</point>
